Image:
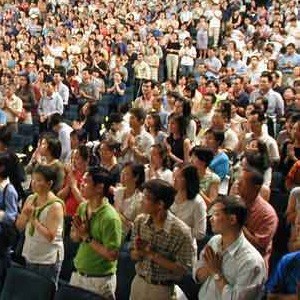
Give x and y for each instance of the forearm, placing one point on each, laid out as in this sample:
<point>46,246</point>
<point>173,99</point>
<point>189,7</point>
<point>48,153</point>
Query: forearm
<point>21,222</point>
<point>44,231</point>
<point>103,251</point>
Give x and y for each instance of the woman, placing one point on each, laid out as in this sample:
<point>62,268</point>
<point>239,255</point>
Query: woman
<point>183,107</point>
<point>158,167</point>
<point>128,196</point>
<point>178,146</point>
<point>89,121</point>
<point>42,217</point>
<point>48,153</point>
<point>26,94</point>
<point>152,59</point>
<point>187,56</point>
<point>154,127</point>
<point>172,59</point>
<point>220,163</point>
<point>209,181</point>
<point>107,152</point>
<point>189,206</point>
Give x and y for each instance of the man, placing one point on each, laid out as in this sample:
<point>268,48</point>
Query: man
<point>237,64</point>
<point>161,245</point>
<point>87,90</point>
<point>63,130</point>
<point>254,71</point>
<point>98,228</point>
<point>12,107</point>
<point>137,144</point>
<point>256,121</point>
<point>229,266</point>
<point>50,103</point>
<point>212,64</point>
<point>100,63</point>
<point>61,88</point>
<point>142,72</point>
<point>146,99</point>
<point>240,96</point>
<point>275,101</point>
<point>221,122</point>
<point>262,220</point>
<point>290,60</point>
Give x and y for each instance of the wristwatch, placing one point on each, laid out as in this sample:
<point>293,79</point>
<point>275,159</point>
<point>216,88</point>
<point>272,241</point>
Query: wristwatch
<point>217,277</point>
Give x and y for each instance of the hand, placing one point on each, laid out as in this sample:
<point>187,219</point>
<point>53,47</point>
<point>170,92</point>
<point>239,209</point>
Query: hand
<point>213,261</point>
<point>131,141</point>
<point>28,210</point>
<point>81,227</point>
<point>290,151</point>
<point>142,247</point>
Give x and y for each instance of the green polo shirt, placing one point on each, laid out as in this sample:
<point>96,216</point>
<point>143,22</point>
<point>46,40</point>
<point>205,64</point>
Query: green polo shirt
<point>105,228</point>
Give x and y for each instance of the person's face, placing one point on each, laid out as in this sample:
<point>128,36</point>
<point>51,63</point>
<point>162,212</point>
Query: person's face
<point>105,153</point>
<point>217,121</point>
<point>254,61</point>
<point>148,204</point>
<point>74,141</point>
<point>179,180</point>
<point>252,146</point>
<point>56,78</point>
<point>264,83</point>
<point>88,188</point>
<point>207,105</point>
<point>211,89</point>
<point>288,95</point>
<point>219,219</point>
<point>85,75</point>
<point>9,92</point>
<point>243,184</point>
<point>210,141</point>
<point>237,55</point>
<point>290,50</point>
<point>49,89</point>
<point>127,176</point>
<point>173,126</point>
<point>39,183</point>
<point>78,160</point>
<point>296,131</point>
<point>22,81</point>
<point>134,122</point>
<point>178,107</point>
<point>248,111</point>
<point>117,77</point>
<point>255,125</point>
<point>146,88</point>
<point>43,147</point>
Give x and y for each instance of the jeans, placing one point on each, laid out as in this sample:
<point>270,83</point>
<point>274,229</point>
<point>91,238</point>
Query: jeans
<point>50,271</point>
<point>186,70</point>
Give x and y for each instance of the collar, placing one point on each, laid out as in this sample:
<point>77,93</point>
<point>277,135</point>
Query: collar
<point>3,184</point>
<point>167,224</point>
<point>233,247</point>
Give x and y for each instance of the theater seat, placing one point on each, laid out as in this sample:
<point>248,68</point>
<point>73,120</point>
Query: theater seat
<point>22,284</point>
<point>67,292</point>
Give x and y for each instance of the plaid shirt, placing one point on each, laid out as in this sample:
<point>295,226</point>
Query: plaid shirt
<point>173,241</point>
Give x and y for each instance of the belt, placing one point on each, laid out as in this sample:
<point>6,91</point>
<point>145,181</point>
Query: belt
<point>94,275</point>
<point>158,282</point>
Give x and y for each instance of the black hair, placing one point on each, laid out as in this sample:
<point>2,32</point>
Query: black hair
<point>233,205</point>
<point>181,122</point>
<point>204,154</point>
<point>219,136</point>
<point>138,171</point>
<point>81,135</point>
<point>101,175</point>
<point>260,115</point>
<point>4,166</point>
<point>55,119</point>
<point>84,152</point>
<point>54,145</point>
<point>257,178</point>
<point>192,181</point>
<point>139,113</point>
<point>161,190</point>
<point>47,172</point>
<point>162,150</point>
<point>5,135</point>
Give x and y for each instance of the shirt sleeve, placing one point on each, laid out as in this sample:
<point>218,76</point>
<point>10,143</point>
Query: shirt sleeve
<point>11,205</point>
<point>112,233</point>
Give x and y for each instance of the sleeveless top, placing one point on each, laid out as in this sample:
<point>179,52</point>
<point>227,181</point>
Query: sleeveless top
<point>37,249</point>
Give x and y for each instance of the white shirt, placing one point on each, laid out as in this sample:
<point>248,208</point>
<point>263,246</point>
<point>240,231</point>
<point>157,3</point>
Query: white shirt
<point>243,268</point>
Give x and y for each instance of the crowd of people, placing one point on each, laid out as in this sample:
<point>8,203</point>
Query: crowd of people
<point>188,127</point>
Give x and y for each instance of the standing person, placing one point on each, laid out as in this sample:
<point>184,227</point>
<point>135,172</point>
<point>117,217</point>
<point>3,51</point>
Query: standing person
<point>117,92</point>
<point>172,59</point>
<point>161,243</point>
<point>12,106</point>
<point>229,266</point>
<point>188,55</point>
<point>42,217</point>
<point>26,94</point>
<point>97,226</point>
<point>8,213</point>
<point>60,87</point>
<point>142,72</point>
<point>262,220</point>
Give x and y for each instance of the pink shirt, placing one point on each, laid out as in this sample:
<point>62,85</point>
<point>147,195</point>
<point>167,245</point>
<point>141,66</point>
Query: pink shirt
<point>262,222</point>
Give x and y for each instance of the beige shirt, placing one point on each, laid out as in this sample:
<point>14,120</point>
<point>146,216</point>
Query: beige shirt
<point>16,104</point>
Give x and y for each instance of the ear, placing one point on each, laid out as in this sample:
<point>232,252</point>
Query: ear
<point>233,219</point>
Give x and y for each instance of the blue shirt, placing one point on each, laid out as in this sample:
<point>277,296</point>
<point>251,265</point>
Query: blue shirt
<point>220,165</point>
<point>10,206</point>
<point>286,274</point>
